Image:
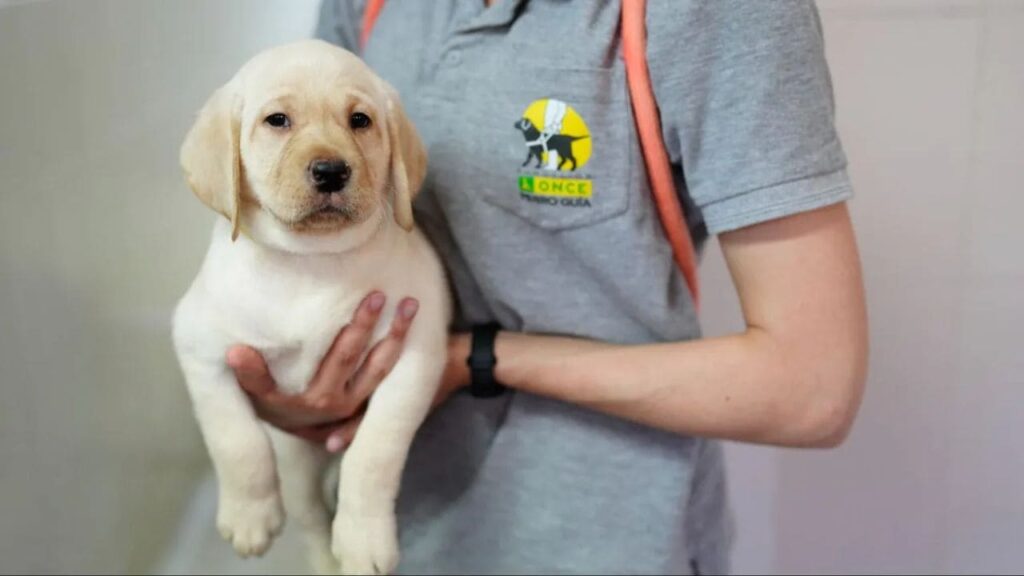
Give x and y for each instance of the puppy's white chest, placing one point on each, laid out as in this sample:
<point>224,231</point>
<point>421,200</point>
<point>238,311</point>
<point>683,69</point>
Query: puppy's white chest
<point>294,328</point>
<point>292,366</point>
<point>290,307</point>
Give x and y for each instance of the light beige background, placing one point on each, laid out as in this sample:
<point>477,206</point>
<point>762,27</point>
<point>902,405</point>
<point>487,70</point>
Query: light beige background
<point>99,236</point>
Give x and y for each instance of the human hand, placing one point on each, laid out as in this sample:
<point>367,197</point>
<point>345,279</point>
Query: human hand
<point>331,407</point>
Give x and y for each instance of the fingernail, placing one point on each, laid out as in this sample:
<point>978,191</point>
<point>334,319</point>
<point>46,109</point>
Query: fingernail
<point>376,301</point>
<point>409,309</point>
<point>334,444</point>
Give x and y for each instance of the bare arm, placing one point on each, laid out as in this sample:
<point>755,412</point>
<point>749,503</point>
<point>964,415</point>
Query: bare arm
<point>794,377</point>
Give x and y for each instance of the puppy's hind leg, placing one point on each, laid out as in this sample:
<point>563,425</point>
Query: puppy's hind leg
<point>301,465</point>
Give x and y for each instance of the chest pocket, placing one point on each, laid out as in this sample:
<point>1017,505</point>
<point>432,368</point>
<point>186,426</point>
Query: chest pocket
<point>554,147</point>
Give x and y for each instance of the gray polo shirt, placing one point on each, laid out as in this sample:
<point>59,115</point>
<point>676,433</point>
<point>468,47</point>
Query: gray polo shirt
<point>537,199</point>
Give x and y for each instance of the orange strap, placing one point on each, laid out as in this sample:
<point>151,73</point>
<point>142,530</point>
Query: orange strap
<point>370,14</point>
<point>648,124</point>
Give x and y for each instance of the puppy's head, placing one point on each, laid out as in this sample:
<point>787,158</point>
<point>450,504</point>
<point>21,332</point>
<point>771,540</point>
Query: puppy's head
<point>305,142</point>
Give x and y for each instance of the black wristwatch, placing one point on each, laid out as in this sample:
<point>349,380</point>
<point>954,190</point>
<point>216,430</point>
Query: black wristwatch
<point>481,361</point>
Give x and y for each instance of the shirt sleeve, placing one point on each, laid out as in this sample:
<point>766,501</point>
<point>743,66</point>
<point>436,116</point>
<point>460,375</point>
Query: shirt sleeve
<point>747,109</point>
<point>340,21</point>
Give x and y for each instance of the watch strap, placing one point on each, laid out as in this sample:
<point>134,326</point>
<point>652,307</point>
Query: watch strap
<point>482,361</point>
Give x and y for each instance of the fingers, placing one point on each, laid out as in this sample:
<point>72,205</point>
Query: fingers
<point>342,359</point>
<point>254,378</point>
<point>385,354</point>
<point>250,370</point>
<point>407,309</point>
<point>342,436</point>
<point>335,437</point>
<point>340,387</point>
<point>314,434</point>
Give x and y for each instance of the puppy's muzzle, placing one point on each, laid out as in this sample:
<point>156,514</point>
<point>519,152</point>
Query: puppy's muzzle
<point>329,176</point>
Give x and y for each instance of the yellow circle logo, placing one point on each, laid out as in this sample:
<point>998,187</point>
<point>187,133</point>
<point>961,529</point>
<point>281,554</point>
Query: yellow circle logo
<point>556,137</point>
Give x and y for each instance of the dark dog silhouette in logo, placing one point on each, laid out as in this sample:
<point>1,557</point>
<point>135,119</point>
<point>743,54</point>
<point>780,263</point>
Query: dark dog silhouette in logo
<point>560,143</point>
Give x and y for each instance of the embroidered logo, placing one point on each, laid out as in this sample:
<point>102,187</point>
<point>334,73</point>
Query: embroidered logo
<point>558,146</point>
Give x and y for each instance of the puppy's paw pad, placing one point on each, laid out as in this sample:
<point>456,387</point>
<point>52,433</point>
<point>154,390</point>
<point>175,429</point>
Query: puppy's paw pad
<point>250,524</point>
<point>365,544</point>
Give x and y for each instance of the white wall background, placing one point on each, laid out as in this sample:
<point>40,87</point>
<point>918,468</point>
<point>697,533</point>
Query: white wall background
<point>98,237</point>
<point>929,99</point>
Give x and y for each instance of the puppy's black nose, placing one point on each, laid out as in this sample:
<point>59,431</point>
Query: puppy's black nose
<point>329,175</point>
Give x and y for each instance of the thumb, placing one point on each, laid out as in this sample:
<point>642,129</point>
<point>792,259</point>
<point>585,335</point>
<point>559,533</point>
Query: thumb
<point>250,370</point>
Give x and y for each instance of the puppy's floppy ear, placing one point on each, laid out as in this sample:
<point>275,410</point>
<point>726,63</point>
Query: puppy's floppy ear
<point>408,160</point>
<point>210,155</point>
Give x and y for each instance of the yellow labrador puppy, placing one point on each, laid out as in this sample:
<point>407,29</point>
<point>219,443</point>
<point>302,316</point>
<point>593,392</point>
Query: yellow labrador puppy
<point>313,164</point>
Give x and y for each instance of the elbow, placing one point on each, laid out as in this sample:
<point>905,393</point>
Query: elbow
<point>827,419</point>
<point>831,403</point>
<point>827,425</point>
<point>819,424</point>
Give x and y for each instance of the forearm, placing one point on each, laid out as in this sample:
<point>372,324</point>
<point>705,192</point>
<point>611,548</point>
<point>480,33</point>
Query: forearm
<point>744,387</point>
<point>794,377</point>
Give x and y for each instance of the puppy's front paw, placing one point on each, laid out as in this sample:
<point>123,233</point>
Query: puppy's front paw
<point>365,544</point>
<point>250,524</point>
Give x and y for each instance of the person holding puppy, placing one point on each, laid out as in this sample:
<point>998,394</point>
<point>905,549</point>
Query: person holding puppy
<point>586,437</point>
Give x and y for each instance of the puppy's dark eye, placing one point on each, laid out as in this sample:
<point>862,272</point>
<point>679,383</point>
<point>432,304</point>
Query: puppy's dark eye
<point>278,120</point>
<point>359,121</point>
